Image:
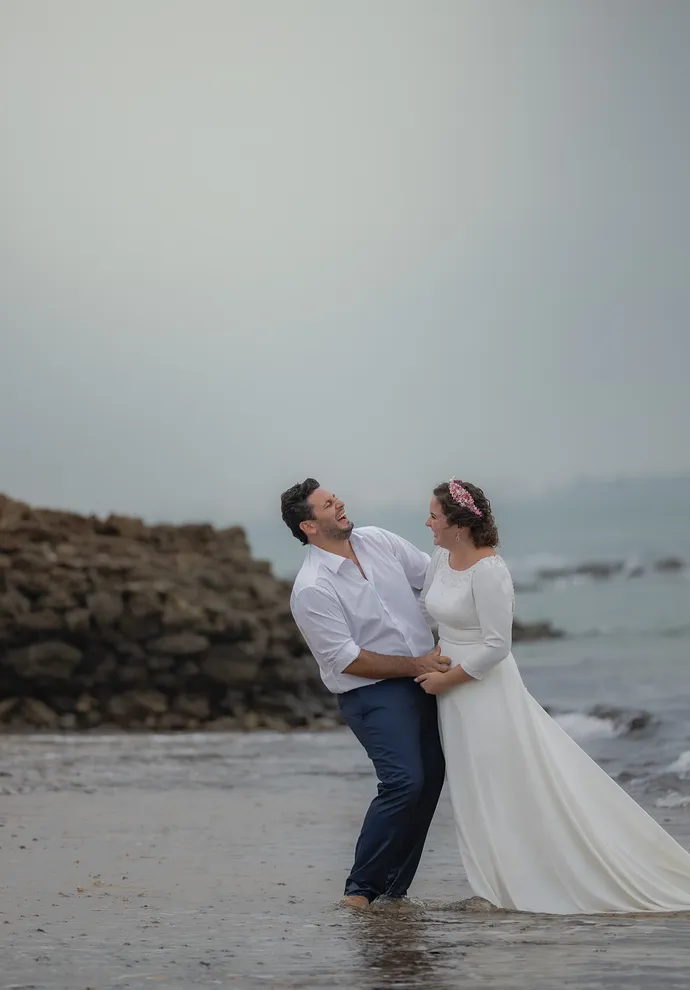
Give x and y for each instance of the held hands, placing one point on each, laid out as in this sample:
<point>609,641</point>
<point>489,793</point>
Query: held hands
<point>434,672</point>
<point>434,683</point>
<point>433,663</point>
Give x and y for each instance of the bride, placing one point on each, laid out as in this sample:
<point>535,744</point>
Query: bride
<point>541,827</point>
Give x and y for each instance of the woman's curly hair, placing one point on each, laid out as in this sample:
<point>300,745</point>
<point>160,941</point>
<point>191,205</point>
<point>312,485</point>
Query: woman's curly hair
<point>483,531</point>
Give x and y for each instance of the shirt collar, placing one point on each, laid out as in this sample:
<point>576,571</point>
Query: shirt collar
<point>333,561</point>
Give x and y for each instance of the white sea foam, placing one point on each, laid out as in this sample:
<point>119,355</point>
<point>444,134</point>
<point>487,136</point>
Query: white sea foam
<point>581,727</point>
<point>681,765</point>
<point>673,800</point>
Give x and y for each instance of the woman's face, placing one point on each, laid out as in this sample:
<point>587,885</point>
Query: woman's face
<point>444,535</point>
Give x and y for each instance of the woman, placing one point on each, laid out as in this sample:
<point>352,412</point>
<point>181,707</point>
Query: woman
<point>541,827</point>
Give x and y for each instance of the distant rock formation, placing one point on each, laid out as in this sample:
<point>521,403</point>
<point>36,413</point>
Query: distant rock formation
<point>600,570</point>
<point>603,570</point>
<point>116,624</point>
<point>670,564</point>
<point>530,631</point>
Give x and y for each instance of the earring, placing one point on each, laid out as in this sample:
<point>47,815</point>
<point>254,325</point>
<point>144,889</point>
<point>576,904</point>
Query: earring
<point>457,536</point>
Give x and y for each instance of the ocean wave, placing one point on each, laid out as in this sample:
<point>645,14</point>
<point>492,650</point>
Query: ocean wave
<point>581,726</point>
<point>673,800</point>
<point>604,722</point>
<point>681,766</point>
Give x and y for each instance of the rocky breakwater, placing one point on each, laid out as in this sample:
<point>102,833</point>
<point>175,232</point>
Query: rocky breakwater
<point>113,623</point>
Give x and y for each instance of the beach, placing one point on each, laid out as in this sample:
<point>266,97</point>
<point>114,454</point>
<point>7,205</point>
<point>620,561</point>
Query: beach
<point>214,860</point>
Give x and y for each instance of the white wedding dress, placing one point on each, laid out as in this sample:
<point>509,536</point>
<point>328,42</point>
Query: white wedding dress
<point>541,826</point>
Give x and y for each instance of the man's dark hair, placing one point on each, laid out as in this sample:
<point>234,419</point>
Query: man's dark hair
<point>295,509</point>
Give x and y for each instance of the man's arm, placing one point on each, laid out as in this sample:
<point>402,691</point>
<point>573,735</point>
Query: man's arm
<point>379,666</point>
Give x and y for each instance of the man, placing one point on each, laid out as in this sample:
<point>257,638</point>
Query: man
<point>356,603</point>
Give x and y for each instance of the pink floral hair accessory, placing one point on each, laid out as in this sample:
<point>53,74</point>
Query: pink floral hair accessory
<point>463,497</point>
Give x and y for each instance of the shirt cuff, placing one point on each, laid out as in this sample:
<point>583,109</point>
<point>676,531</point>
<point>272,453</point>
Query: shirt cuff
<point>344,657</point>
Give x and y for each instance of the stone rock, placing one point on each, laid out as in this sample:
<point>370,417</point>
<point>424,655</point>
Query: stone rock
<point>37,713</point>
<point>251,721</point>
<point>145,603</point>
<point>230,665</point>
<point>529,631</point>
<point>180,644</point>
<point>133,652</point>
<point>106,607</point>
<point>132,529</point>
<point>33,583</point>
<point>172,720</point>
<point>275,723</point>
<point>13,604</point>
<point>43,621</point>
<point>85,703</point>
<point>7,706</point>
<point>226,723</point>
<point>58,598</point>
<point>600,570</point>
<point>139,629</point>
<point>160,663</point>
<point>670,564</point>
<point>78,620</point>
<point>195,706</point>
<point>104,671</point>
<point>132,675</point>
<point>137,704</point>
<point>179,613</point>
<point>51,660</point>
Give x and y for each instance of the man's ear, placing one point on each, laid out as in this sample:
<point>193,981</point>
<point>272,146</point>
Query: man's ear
<point>308,527</point>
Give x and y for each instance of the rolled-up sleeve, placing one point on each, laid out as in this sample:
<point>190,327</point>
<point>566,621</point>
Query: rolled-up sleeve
<point>492,588</point>
<point>321,621</point>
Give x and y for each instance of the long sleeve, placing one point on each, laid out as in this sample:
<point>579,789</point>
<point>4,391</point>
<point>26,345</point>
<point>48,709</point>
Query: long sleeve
<point>320,619</point>
<point>492,589</point>
<point>415,562</point>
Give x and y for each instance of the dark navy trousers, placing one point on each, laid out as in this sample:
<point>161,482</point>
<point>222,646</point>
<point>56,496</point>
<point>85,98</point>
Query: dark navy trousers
<point>397,723</point>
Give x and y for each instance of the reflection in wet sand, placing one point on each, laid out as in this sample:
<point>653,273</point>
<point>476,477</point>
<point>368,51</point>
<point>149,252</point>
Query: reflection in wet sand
<point>393,948</point>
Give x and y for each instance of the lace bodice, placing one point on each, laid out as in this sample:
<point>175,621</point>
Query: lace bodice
<point>473,609</point>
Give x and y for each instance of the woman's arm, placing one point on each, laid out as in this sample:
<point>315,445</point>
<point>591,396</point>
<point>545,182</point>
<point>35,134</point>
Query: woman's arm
<point>492,588</point>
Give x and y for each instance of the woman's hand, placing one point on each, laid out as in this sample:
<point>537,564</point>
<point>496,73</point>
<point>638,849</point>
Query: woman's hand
<point>434,683</point>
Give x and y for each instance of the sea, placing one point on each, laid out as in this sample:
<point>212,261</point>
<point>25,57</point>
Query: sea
<point>618,679</point>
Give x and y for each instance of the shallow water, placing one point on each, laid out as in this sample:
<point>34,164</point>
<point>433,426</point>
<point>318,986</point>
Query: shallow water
<point>218,861</point>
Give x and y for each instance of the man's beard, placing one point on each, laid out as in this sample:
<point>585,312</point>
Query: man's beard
<point>336,533</point>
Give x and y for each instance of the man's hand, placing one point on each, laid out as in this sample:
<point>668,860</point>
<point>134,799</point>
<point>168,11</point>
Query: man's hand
<point>433,662</point>
<point>434,683</point>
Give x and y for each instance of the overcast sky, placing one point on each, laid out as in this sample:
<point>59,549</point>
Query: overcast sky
<point>376,241</point>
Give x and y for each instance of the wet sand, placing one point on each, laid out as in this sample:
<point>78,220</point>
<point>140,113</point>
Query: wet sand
<point>218,863</point>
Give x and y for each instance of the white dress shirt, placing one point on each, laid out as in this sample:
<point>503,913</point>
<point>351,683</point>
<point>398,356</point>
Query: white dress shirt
<point>339,613</point>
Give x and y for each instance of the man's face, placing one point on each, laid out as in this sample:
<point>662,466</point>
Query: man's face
<point>330,521</point>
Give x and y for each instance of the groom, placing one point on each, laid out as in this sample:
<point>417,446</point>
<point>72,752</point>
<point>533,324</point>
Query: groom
<point>355,601</point>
